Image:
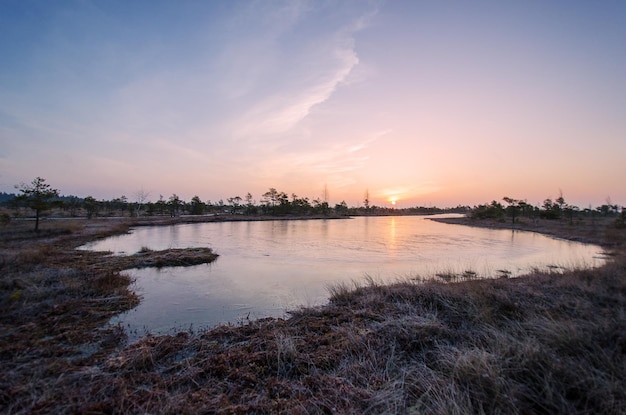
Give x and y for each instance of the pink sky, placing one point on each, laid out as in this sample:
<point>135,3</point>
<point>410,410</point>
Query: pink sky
<point>433,103</point>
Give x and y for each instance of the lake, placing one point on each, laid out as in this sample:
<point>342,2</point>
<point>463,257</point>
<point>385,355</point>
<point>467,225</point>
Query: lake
<point>267,268</point>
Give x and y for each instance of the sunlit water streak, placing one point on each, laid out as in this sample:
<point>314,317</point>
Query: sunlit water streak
<point>268,268</point>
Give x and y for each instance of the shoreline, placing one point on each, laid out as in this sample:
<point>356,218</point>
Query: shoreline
<point>345,357</point>
<point>579,231</point>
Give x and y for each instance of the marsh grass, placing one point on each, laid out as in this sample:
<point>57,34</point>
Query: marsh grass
<point>55,302</point>
<point>545,343</point>
<point>549,342</point>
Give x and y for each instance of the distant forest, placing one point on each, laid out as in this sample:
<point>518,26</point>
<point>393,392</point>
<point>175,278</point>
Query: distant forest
<point>550,209</point>
<point>273,203</point>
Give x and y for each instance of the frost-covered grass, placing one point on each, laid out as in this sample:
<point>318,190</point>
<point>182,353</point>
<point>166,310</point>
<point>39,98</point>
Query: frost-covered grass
<point>549,342</point>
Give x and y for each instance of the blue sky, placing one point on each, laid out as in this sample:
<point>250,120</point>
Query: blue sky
<point>430,102</point>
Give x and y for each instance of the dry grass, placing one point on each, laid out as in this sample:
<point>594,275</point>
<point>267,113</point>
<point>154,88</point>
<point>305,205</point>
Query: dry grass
<point>55,302</point>
<point>605,231</point>
<point>544,343</point>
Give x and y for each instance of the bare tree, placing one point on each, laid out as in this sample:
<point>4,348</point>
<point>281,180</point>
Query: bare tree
<point>141,196</point>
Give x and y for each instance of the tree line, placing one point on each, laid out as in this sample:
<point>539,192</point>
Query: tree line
<point>549,209</point>
<point>39,197</point>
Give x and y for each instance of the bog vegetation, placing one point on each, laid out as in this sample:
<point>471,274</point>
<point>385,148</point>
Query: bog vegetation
<point>38,198</point>
<point>549,342</point>
<point>272,203</point>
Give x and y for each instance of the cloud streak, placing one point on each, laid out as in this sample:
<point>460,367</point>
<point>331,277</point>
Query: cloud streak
<point>304,86</point>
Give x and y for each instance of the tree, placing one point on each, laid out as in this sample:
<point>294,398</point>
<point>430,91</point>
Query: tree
<point>551,210</point>
<point>570,212</point>
<point>341,208</point>
<point>141,196</point>
<point>270,199</point>
<point>524,207</point>
<point>250,208</point>
<point>197,206</point>
<point>91,206</point>
<point>321,207</point>
<point>560,200</point>
<point>284,207</point>
<point>300,205</point>
<point>174,203</point>
<point>513,205</point>
<point>38,195</point>
<point>493,211</point>
<point>117,205</point>
<point>161,205</point>
<point>235,204</point>
<point>72,204</point>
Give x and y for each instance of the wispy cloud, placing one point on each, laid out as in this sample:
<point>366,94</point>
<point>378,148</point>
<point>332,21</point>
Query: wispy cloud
<point>310,73</point>
<point>281,113</point>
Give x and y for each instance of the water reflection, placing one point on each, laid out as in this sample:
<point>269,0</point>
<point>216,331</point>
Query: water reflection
<point>267,268</point>
<point>392,237</point>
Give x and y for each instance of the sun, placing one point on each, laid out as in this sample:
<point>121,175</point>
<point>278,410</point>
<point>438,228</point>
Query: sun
<point>393,200</point>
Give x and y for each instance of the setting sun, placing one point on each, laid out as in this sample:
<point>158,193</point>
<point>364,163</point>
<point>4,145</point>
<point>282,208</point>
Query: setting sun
<point>393,200</point>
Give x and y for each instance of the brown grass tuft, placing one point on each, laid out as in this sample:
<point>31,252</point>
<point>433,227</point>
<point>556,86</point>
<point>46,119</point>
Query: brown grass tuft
<point>550,342</point>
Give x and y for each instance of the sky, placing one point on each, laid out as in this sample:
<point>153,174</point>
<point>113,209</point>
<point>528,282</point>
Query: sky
<point>432,103</point>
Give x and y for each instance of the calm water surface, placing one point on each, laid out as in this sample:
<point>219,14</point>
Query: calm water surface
<point>268,268</point>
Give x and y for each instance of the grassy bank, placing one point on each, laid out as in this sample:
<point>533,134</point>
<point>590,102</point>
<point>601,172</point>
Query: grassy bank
<point>544,343</point>
<point>55,302</point>
<point>600,231</point>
